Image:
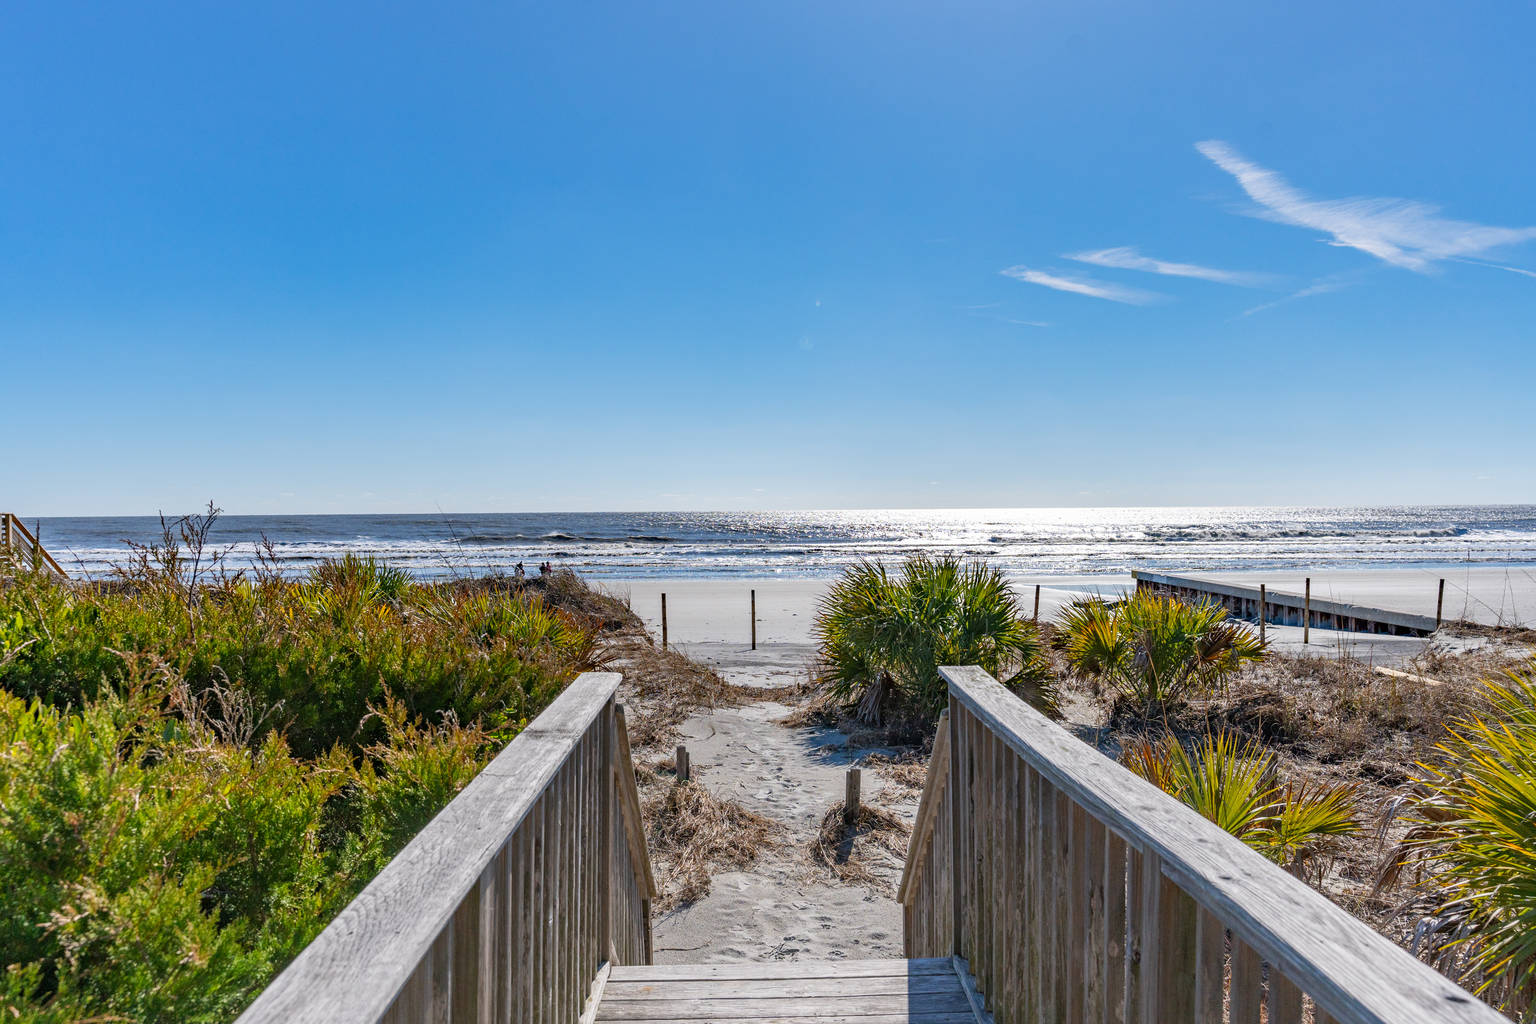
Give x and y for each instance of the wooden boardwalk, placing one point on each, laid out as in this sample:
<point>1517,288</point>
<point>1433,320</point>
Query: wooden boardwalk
<point>1045,884</point>
<point>926,991</point>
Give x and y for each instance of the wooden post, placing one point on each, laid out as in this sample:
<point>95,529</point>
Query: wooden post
<point>851,797</point>
<point>1037,602</point>
<point>1261,613</point>
<point>663,621</point>
<point>1440,603</point>
<point>754,620</point>
<point>680,763</point>
<point>1306,614</point>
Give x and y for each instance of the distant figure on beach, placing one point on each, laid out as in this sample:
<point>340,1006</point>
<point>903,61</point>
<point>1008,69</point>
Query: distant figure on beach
<point>520,573</point>
<point>545,568</point>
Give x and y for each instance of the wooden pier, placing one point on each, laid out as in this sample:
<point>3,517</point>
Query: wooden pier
<point>1044,884</point>
<point>1287,609</point>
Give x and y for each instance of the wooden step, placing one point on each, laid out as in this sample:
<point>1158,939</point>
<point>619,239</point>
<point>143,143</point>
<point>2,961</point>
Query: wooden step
<point>930,991</point>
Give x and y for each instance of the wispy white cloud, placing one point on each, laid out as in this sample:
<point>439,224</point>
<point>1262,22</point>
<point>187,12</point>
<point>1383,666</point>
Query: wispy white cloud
<point>1127,257</point>
<point>1499,266</point>
<point>1401,232</point>
<point>1082,286</point>
<point>1322,286</point>
<point>1025,323</point>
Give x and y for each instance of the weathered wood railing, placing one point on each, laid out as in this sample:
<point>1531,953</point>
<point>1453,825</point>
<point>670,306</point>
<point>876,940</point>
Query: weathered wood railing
<point>1079,892</point>
<point>510,904</point>
<point>19,543</point>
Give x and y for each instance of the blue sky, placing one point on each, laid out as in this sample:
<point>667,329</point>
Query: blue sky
<point>399,257</point>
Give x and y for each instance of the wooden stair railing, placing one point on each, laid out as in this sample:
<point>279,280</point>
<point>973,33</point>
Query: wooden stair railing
<point>510,905</point>
<point>21,545</point>
<point>1080,892</point>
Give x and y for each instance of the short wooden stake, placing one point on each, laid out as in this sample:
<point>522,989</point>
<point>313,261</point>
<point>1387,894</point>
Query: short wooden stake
<point>1306,614</point>
<point>1037,602</point>
<point>1261,613</point>
<point>663,621</point>
<point>1440,603</point>
<point>680,764</point>
<point>851,798</point>
<point>754,620</point>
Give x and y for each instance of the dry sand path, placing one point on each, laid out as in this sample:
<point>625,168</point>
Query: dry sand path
<point>785,906</point>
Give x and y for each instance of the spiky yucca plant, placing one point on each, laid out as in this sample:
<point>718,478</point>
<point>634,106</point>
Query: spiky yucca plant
<point>1155,649</point>
<point>1472,834</point>
<point>883,636</point>
<point>1235,784</point>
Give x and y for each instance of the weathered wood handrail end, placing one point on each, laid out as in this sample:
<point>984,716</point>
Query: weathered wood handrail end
<point>511,901</point>
<point>1076,890</point>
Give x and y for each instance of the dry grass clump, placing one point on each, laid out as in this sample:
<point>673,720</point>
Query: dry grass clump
<point>1335,720</point>
<point>847,850</point>
<point>692,832</point>
<point>663,688</point>
<point>1340,711</point>
<point>906,773</point>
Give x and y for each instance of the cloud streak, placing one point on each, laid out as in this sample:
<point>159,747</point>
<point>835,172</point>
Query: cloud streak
<point>1082,286</point>
<point>1401,232</point>
<point>1322,286</point>
<point>1127,257</point>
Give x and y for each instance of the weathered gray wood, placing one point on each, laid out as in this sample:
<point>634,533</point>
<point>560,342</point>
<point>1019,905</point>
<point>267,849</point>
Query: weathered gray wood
<point>500,909</point>
<point>629,794</point>
<point>1246,990</point>
<point>1114,928</point>
<point>1306,614</point>
<point>751,970</point>
<point>1210,968</point>
<point>1352,973</point>
<point>681,769</point>
<point>851,796</point>
<point>1284,1000</point>
<point>919,847</point>
<point>830,984</point>
<point>812,1007</point>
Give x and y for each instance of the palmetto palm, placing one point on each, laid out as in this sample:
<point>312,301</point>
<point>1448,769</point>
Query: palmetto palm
<point>883,637</point>
<point>1154,648</point>
<point>1473,831</point>
<point>1235,785</point>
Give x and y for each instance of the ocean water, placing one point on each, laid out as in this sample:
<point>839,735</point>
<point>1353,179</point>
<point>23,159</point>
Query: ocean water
<point>1051,541</point>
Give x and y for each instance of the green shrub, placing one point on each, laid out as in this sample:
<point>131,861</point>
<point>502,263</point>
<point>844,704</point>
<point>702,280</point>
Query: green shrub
<point>1155,649</point>
<point>883,638</point>
<point>1473,834</point>
<point>1235,785</point>
<point>199,769</point>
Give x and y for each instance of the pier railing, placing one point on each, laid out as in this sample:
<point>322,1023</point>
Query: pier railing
<point>19,544</point>
<point>510,904</point>
<point>1080,892</point>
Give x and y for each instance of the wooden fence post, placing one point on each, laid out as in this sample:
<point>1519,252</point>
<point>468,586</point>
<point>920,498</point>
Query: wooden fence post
<point>851,797</point>
<point>754,620</point>
<point>663,621</point>
<point>1306,614</point>
<point>1261,613</point>
<point>1440,603</point>
<point>1037,602</point>
<point>681,768</point>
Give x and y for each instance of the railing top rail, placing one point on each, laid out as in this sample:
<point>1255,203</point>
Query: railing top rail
<point>27,541</point>
<point>353,969</point>
<point>1358,976</point>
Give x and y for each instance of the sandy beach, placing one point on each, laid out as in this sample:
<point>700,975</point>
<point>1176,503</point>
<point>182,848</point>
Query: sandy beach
<point>784,906</point>
<point>710,616</point>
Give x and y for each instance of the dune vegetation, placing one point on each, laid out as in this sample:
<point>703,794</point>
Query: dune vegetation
<point>883,636</point>
<point>199,768</point>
